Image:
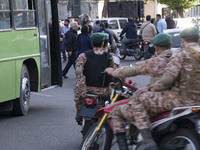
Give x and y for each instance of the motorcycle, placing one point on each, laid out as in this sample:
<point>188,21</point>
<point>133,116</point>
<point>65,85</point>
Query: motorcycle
<point>91,103</point>
<point>148,49</point>
<point>178,129</point>
<point>132,49</point>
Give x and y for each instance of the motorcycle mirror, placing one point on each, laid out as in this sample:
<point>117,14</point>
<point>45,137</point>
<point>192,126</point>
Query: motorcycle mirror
<point>106,103</point>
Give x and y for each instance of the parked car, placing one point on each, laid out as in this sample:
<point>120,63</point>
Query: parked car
<point>176,40</point>
<point>115,24</point>
<point>183,22</point>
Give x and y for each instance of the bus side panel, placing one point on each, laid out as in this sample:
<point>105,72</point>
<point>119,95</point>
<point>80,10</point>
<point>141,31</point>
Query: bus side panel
<point>16,47</point>
<point>7,80</point>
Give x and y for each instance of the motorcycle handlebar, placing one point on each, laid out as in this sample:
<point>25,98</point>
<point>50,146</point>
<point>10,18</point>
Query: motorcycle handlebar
<point>130,86</point>
<point>120,83</point>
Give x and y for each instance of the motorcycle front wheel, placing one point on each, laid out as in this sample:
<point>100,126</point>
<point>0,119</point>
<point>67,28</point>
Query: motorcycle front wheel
<point>102,140</point>
<point>182,137</point>
<point>86,125</point>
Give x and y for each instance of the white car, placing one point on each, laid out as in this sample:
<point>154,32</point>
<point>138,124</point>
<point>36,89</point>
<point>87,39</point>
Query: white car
<point>183,22</point>
<point>115,24</point>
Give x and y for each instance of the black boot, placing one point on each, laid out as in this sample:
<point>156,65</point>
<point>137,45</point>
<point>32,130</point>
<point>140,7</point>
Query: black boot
<point>121,140</point>
<point>147,143</point>
<point>78,117</point>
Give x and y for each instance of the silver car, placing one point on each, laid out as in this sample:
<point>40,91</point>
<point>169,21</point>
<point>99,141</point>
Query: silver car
<point>176,40</point>
<point>115,24</point>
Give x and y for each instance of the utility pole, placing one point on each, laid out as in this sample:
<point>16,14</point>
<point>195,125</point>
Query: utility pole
<point>155,8</point>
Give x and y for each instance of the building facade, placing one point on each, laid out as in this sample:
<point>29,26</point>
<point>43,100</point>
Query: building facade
<point>195,11</point>
<point>94,8</point>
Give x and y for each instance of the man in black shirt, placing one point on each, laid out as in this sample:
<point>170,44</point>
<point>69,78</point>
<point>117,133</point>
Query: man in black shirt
<point>131,33</point>
<point>71,47</point>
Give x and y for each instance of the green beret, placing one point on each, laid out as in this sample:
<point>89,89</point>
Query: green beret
<point>97,37</point>
<point>106,36</point>
<point>191,31</point>
<point>162,39</point>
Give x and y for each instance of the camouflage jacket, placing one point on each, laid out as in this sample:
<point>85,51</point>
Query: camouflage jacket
<point>154,67</point>
<point>177,72</point>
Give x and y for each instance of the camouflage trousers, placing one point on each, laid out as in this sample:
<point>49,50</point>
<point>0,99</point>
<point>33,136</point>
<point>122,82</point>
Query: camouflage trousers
<point>145,106</point>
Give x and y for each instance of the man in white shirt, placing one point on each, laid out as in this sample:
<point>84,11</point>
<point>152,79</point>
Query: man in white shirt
<point>65,28</point>
<point>161,23</point>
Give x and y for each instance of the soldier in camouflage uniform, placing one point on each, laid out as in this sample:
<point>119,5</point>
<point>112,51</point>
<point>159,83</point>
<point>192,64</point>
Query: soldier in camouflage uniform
<point>178,86</point>
<point>89,66</point>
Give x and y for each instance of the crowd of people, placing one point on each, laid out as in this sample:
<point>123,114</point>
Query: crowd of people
<point>75,44</point>
<point>175,76</point>
<point>82,42</point>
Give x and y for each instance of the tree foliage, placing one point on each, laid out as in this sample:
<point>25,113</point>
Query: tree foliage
<point>174,4</point>
<point>179,5</point>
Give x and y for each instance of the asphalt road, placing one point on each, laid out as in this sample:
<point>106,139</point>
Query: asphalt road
<point>50,123</point>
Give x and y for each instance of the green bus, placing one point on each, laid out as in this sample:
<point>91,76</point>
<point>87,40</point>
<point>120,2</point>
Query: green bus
<point>29,51</point>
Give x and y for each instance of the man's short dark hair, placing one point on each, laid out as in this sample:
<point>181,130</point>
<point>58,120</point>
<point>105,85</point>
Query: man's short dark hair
<point>97,44</point>
<point>158,15</point>
<point>148,17</point>
<point>97,22</point>
<point>190,39</point>
<point>102,25</point>
<point>67,20</point>
<point>165,47</point>
<point>130,19</point>
<point>85,29</point>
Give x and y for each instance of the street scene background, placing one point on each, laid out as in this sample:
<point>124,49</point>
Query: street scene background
<point>50,123</point>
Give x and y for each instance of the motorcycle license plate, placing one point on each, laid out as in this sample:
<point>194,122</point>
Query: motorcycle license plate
<point>146,48</point>
<point>87,111</point>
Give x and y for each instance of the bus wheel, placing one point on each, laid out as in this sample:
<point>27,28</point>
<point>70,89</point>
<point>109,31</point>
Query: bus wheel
<point>21,104</point>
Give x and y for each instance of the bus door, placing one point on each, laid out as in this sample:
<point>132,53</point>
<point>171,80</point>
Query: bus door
<point>44,43</point>
<point>51,69</point>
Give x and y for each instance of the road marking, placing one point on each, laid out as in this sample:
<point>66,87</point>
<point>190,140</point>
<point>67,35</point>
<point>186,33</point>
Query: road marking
<point>39,94</point>
<point>51,87</point>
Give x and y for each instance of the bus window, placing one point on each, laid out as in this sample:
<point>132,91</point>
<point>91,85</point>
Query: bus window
<point>24,14</point>
<point>4,5</point>
<point>4,15</point>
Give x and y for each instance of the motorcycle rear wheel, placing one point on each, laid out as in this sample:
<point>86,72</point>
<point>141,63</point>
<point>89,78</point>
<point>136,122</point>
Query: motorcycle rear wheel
<point>183,137</point>
<point>102,141</point>
<point>138,53</point>
<point>122,54</point>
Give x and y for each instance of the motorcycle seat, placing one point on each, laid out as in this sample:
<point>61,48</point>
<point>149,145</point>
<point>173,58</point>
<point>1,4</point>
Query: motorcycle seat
<point>160,116</point>
<point>163,115</point>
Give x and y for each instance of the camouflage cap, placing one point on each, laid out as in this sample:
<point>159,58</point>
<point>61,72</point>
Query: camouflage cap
<point>162,39</point>
<point>191,31</point>
<point>97,37</point>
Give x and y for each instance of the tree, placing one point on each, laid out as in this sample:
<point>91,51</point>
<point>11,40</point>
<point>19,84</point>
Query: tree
<point>179,5</point>
<point>105,9</point>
